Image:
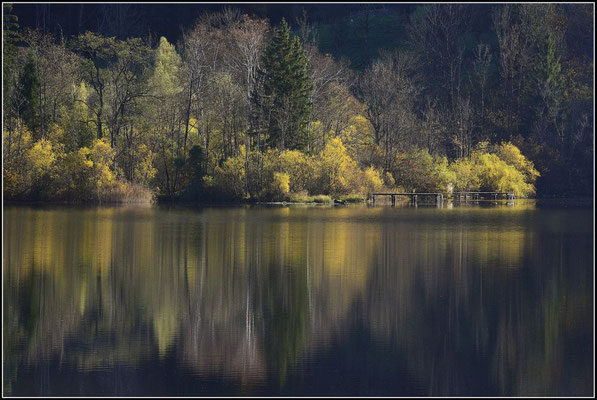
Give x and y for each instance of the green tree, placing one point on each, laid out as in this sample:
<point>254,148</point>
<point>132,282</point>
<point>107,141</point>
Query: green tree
<point>11,35</point>
<point>96,50</point>
<point>9,53</point>
<point>30,87</point>
<point>164,116</point>
<point>286,90</point>
<point>114,69</point>
<point>195,172</point>
<point>549,82</point>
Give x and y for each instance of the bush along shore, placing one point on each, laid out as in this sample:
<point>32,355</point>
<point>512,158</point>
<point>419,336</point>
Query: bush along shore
<point>51,174</point>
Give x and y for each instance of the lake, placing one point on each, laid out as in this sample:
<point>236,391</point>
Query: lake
<point>455,300</point>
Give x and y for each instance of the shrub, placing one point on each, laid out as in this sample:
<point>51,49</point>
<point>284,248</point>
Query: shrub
<point>418,171</point>
<point>372,180</point>
<point>336,170</point>
<point>299,167</point>
<point>511,154</point>
<point>144,170</point>
<point>464,175</point>
<point>229,179</point>
<point>124,192</point>
<point>500,168</point>
<point>281,183</point>
<point>278,188</point>
<point>353,198</point>
<point>496,175</point>
<point>303,197</point>
<point>322,199</point>
<point>102,157</point>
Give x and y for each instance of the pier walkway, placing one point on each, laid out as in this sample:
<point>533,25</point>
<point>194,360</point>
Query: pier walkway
<point>439,197</point>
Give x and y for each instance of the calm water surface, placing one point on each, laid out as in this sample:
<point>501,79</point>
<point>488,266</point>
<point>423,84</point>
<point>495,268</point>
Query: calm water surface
<point>493,300</point>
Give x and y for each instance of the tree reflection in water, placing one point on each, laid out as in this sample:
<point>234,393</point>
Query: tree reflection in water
<point>461,301</point>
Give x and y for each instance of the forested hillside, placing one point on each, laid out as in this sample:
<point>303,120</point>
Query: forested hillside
<point>231,105</point>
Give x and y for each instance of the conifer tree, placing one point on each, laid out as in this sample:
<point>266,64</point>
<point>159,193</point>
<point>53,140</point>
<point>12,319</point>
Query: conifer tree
<point>286,91</point>
<point>10,37</point>
<point>30,87</point>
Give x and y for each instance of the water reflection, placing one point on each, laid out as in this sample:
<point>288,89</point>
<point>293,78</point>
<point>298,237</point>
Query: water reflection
<point>298,300</point>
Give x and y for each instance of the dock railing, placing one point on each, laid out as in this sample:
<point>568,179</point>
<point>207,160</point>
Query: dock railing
<point>478,195</point>
<point>439,197</point>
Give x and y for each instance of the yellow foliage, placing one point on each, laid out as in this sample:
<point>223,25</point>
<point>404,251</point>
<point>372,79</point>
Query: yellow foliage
<point>512,156</point>
<point>281,183</point>
<point>357,136</point>
<point>41,158</point>
<point>193,126</point>
<point>102,156</point>
<point>82,158</point>
<point>464,175</point>
<point>16,143</point>
<point>76,174</point>
<point>299,167</point>
<point>372,180</point>
<point>336,168</point>
<point>56,134</point>
<point>10,182</point>
<point>496,175</point>
<point>389,179</point>
<point>144,169</point>
<point>229,178</point>
<point>500,168</point>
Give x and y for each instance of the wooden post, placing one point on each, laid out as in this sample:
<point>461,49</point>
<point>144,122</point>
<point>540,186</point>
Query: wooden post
<point>393,200</point>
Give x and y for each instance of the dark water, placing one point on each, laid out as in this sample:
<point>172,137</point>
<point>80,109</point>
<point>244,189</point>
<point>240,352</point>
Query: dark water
<point>298,301</point>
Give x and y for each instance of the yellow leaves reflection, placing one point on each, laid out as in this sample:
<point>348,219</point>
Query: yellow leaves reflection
<point>248,290</point>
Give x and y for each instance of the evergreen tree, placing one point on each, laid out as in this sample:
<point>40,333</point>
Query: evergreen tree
<point>286,91</point>
<point>30,89</point>
<point>195,173</point>
<point>10,76</point>
<point>10,36</point>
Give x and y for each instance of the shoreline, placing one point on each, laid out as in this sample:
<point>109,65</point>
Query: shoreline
<point>335,202</point>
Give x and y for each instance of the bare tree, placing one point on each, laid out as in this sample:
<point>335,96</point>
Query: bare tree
<point>432,126</point>
<point>481,66</point>
<point>389,93</point>
<point>247,42</point>
<point>202,54</point>
<point>519,29</point>
<point>434,36</point>
<point>463,136</point>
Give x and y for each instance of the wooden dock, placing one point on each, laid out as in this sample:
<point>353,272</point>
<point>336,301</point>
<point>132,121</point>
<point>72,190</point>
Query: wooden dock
<point>439,197</point>
<point>478,195</point>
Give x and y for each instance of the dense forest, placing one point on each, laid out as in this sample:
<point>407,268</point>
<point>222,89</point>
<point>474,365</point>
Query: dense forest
<point>316,103</point>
